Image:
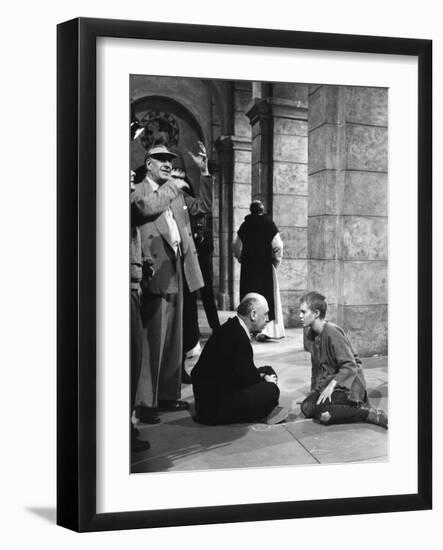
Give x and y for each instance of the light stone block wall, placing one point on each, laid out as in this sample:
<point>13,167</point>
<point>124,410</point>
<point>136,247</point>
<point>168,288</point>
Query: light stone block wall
<point>290,190</point>
<point>347,209</point>
<point>242,171</point>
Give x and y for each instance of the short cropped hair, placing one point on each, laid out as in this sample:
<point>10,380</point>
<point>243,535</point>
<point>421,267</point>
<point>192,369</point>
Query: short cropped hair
<point>256,207</point>
<point>247,305</point>
<point>315,302</point>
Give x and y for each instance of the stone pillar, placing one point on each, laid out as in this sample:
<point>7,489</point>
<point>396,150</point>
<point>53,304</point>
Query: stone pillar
<point>279,179</point>
<point>234,197</point>
<point>260,116</point>
<point>224,232</point>
<point>347,209</point>
<point>241,176</point>
<point>213,222</point>
<point>241,200</point>
<point>215,171</point>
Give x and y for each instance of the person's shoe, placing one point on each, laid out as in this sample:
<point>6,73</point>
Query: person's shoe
<point>377,417</point>
<point>277,415</point>
<point>138,445</point>
<point>170,405</point>
<point>186,379</point>
<point>262,337</point>
<point>147,415</point>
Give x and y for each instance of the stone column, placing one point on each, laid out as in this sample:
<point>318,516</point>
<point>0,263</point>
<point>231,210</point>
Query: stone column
<point>224,233</point>
<point>260,117</point>
<point>279,179</point>
<point>214,168</point>
<point>241,199</point>
<point>213,222</point>
<point>347,213</point>
<point>234,196</point>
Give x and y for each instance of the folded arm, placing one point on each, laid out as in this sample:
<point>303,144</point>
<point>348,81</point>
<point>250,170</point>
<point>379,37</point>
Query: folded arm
<point>146,207</point>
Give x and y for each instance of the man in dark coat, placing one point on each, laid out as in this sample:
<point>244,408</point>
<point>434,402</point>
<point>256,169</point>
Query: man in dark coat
<point>204,244</point>
<point>228,387</point>
<point>258,248</point>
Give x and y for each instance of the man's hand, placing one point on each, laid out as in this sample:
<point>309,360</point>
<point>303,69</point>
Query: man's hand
<point>327,392</point>
<point>201,160</point>
<point>148,268</point>
<point>132,180</point>
<point>178,182</point>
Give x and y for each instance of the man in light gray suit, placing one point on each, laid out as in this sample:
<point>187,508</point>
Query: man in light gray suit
<point>167,239</point>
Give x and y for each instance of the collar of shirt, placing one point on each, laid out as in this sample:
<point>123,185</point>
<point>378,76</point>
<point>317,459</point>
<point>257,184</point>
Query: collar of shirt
<point>152,183</point>
<point>243,325</point>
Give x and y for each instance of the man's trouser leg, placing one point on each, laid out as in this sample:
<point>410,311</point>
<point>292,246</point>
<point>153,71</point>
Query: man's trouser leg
<point>136,353</point>
<point>162,316</point>
<point>207,292</point>
<point>339,411</point>
<point>251,404</point>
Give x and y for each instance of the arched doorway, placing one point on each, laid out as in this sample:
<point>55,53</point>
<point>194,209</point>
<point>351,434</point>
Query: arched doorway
<point>166,119</point>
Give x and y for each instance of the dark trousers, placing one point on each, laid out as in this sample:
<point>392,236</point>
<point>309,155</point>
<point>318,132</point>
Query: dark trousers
<point>136,349</point>
<point>250,404</point>
<point>340,410</point>
<point>191,331</point>
<point>207,292</point>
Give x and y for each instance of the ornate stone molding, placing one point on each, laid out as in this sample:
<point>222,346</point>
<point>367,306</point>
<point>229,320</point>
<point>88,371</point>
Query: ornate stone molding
<point>276,107</point>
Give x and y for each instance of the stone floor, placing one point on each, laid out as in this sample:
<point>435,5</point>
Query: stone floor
<point>179,444</point>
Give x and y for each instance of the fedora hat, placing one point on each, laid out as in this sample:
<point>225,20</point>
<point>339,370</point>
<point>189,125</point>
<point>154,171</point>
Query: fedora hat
<point>160,151</point>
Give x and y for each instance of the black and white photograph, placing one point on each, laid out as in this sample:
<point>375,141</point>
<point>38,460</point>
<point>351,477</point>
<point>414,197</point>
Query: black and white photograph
<point>266,180</point>
<point>258,274</point>
<point>264,197</point>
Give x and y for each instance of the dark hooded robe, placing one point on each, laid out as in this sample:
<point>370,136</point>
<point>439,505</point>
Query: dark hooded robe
<point>256,234</point>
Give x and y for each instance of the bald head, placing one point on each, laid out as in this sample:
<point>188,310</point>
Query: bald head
<point>253,310</point>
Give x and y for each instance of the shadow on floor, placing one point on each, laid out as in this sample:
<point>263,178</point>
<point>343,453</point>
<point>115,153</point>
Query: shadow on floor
<point>48,514</point>
<point>178,438</point>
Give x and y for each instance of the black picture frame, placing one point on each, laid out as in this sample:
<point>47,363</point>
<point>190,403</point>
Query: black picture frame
<point>76,278</point>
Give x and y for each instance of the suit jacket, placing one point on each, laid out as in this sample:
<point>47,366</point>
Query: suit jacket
<point>225,366</point>
<point>154,235</point>
<point>141,211</point>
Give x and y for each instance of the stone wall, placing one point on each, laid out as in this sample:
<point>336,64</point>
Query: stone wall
<point>347,209</point>
<point>290,190</point>
<point>279,168</point>
<point>241,178</point>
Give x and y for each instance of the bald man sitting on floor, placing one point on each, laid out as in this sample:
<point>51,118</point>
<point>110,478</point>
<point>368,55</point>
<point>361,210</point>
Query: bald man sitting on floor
<point>228,387</point>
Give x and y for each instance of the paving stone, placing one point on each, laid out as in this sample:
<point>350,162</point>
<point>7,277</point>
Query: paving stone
<point>182,444</point>
<point>340,443</point>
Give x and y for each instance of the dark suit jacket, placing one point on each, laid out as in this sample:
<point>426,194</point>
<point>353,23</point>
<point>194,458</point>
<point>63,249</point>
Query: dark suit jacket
<point>225,366</point>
